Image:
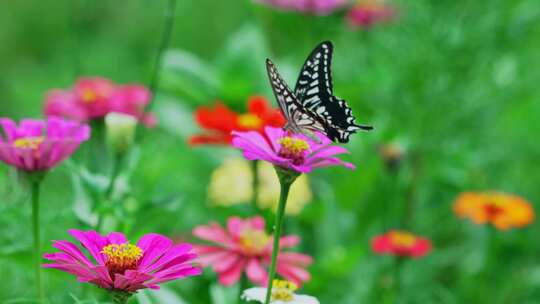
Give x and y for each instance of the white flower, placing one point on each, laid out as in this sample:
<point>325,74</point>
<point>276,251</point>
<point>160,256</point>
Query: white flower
<point>282,293</point>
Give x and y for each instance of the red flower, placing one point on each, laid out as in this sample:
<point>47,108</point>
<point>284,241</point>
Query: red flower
<point>401,243</point>
<point>219,121</point>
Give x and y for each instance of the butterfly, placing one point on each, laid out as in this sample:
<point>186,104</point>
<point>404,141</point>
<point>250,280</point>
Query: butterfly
<point>312,107</point>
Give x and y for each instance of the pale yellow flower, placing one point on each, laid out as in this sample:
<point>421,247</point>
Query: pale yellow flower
<point>232,182</point>
<point>268,196</point>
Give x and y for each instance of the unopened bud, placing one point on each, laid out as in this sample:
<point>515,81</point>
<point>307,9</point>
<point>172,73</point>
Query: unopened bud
<point>120,131</point>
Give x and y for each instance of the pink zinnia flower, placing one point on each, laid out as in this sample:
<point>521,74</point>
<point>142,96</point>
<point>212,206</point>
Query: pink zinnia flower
<point>38,145</point>
<point>369,12</point>
<point>291,151</point>
<point>319,7</point>
<point>117,265</point>
<point>244,246</point>
<point>401,243</point>
<point>95,97</point>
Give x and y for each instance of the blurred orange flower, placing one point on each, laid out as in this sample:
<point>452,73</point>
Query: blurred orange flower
<point>504,211</point>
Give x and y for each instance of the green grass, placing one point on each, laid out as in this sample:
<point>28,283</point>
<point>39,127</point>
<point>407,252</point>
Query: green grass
<point>455,81</point>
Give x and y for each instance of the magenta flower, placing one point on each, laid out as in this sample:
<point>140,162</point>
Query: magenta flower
<point>367,13</point>
<point>289,151</point>
<point>93,98</point>
<point>244,247</point>
<point>119,266</point>
<point>318,7</point>
<point>38,145</point>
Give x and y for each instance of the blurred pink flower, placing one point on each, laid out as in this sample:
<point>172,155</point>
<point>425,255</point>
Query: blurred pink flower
<point>318,7</point>
<point>366,13</point>
<point>244,246</point>
<point>96,97</point>
<point>290,151</point>
<point>38,145</point>
<point>118,265</point>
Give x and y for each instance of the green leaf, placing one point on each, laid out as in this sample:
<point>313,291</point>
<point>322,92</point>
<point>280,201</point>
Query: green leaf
<point>188,76</point>
<point>224,295</point>
<point>164,295</point>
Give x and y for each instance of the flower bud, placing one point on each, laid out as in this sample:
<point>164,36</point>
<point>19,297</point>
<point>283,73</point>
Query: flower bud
<point>120,131</point>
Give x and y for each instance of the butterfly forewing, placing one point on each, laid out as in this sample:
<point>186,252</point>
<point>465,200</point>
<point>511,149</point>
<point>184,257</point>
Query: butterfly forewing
<point>297,118</point>
<point>313,105</point>
<point>314,83</point>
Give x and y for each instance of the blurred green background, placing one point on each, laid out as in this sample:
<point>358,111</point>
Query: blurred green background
<point>453,82</point>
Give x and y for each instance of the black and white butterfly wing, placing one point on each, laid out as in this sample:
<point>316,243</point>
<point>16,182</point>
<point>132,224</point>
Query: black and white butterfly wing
<point>314,91</point>
<point>298,120</point>
<point>314,83</point>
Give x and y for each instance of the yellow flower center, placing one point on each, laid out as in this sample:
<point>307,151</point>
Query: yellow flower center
<point>28,142</point>
<point>293,148</point>
<point>254,241</point>
<point>89,96</point>
<point>283,290</point>
<point>402,239</point>
<point>121,257</point>
<point>249,121</point>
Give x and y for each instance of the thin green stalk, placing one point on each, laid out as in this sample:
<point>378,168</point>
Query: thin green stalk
<point>255,184</point>
<point>116,166</point>
<point>397,282</point>
<point>164,44</point>
<point>285,187</point>
<point>243,286</point>
<point>37,240</point>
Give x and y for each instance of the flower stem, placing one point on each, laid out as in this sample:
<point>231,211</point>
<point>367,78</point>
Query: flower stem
<point>398,264</point>
<point>37,239</point>
<point>164,44</point>
<point>120,297</point>
<point>255,184</point>
<point>286,179</point>
<point>116,166</point>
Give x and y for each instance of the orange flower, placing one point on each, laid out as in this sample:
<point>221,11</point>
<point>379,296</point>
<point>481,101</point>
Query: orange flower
<point>401,243</point>
<point>504,211</point>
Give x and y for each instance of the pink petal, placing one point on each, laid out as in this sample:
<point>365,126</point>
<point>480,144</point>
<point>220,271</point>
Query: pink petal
<point>92,241</point>
<point>233,274</point>
<point>213,233</point>
<point>295,259</point>
<point>117,238</point>
<point>153,246</point>
<point>172,255</point>
<point>256,272</point>
<point>289,241</point>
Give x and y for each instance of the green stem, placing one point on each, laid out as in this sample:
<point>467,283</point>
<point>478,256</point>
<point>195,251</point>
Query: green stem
<point>398,264</point>
<point>285,187</point>
<point>120,297</point>
<point>37,239</point>
<point>164,44</point>
<point>243,286</point>
<point>116,166</point>
<point>255,184</point>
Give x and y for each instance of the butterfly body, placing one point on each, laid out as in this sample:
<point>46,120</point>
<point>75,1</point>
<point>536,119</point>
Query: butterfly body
<point>312,107</point>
